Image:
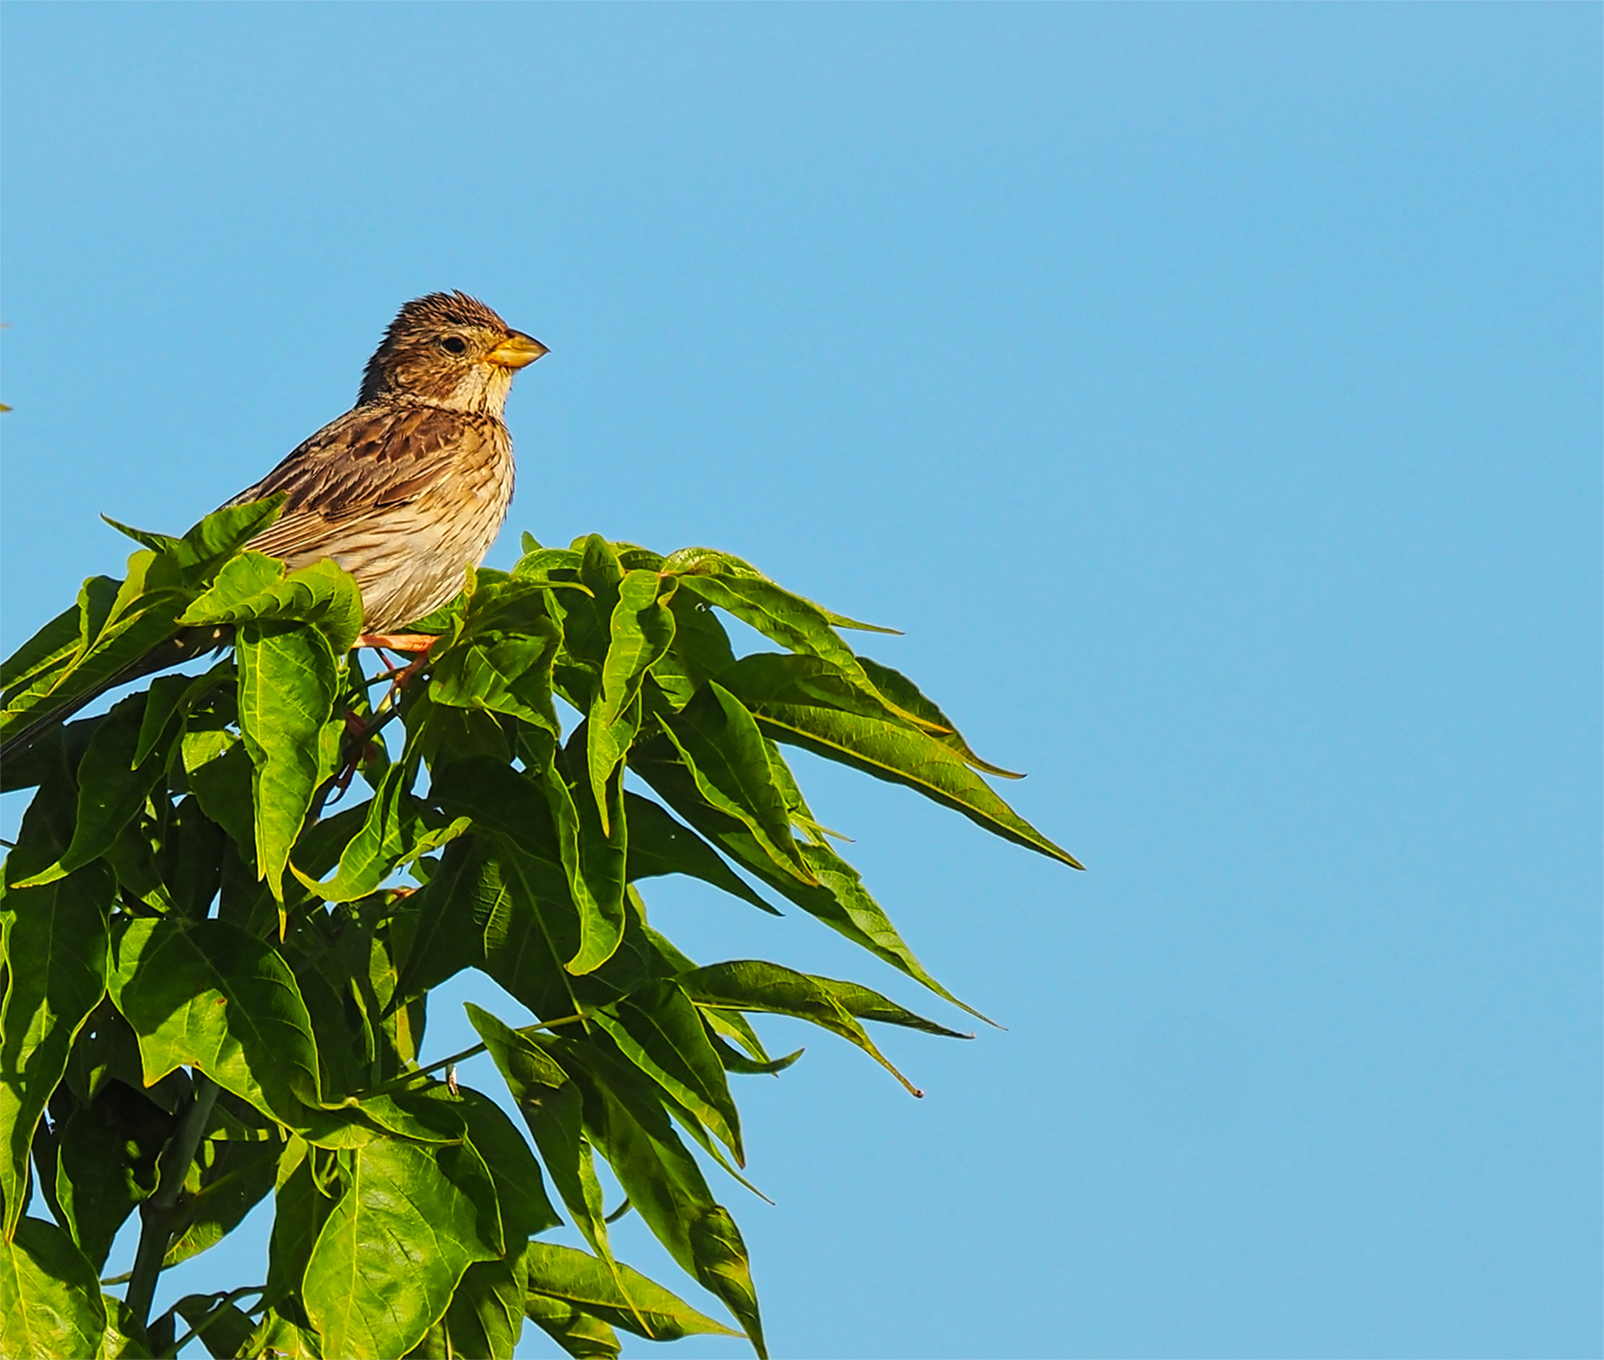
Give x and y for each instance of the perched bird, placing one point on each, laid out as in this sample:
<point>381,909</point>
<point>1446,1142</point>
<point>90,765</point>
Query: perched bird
<point>410,486</point>
<point>405,491</point>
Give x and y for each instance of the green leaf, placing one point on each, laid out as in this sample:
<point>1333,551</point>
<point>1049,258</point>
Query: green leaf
<point>719,743</point>
<point>110,790</point>
<point>594,862</point>
<point>256,588</point>
<point>580,1334</point>
<point>287,688</point>
<point>448,916</point>
<point>222,1328</point>
<point>641,631</point>
<point>125,1338</point>
<point>243,1174</point>
<point>551,1106</point>
<point>531,929</point>
<point>837,896</point>
<point>122,628</point>
<point>47,651</point>
<point>106,1164</point>
<point>54,943</point>
<point>395,1246</point>
<point>207,994</point>
<point>628,1300</point>
<point>906,695</point>
<point>809,703</point>
<point>625,1117</point>
<point>219,774</point>
<point>722,1268</point>
<point>700,651</point>
<point>754,985</point>
<point>660,845</point>
<point>486,1314</point>
<point>168,696</point>
<point>301,1208</point>
<point>505,675</point>
<point>744,591</point>
<point>520,1188</point>
<point>50,1302</point>
<point>282,1338</point>
<point>394,832</point>
<point>207,545</point>
<point>659,1030</point>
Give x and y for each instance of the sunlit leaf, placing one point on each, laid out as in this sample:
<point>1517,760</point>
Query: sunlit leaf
<point>407,1225</point>
<point>287,687</point>
<point>660,845</point>
<point>811,704</point>
<point>50,1302</point>
<point>720,745</point>
<point>209,995</point>
<point>641,1305</point>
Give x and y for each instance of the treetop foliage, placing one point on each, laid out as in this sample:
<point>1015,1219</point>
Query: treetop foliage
<point>219,958</point>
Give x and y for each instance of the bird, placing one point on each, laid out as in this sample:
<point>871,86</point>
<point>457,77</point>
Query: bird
<point>405,491</point>
<point>410,486</point>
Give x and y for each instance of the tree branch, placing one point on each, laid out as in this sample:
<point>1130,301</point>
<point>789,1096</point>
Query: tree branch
<point>156,1228</point>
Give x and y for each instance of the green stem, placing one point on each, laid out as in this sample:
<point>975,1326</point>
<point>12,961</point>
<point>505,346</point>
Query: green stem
<point>399,1083</point>
<point>217,1312</point>
<point>155,1230</point>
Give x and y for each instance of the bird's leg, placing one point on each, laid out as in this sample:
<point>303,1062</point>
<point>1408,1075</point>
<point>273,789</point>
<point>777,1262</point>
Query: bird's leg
<point>399,642</point>
<point>416,643</point>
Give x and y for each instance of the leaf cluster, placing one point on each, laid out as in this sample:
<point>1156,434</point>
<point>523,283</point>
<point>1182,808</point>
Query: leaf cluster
<point>217,977</point>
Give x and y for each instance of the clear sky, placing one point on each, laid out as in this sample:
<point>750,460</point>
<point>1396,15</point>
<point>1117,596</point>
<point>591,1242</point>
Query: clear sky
<point>1212,393</point>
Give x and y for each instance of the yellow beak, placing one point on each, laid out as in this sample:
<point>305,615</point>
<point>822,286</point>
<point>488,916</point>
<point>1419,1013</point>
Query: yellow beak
<point>516,350</point>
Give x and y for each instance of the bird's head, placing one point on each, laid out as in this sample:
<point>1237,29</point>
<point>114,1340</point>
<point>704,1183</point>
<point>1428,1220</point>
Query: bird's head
<point>448,349</point>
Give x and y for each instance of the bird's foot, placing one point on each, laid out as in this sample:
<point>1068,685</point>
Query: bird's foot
<point>399,642</point>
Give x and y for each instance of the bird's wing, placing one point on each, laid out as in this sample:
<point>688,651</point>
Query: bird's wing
<point>372,460</point>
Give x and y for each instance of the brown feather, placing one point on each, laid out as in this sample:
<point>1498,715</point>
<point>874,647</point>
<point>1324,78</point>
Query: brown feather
<point>410,487</point>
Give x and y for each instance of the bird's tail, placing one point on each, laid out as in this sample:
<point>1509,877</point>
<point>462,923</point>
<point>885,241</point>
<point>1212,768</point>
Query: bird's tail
<point>184,645</point>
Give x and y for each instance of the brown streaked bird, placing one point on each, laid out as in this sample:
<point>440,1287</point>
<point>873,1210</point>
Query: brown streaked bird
<point>408,488</point>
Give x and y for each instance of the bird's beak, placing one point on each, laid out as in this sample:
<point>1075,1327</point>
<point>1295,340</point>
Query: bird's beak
<point>516,350</point>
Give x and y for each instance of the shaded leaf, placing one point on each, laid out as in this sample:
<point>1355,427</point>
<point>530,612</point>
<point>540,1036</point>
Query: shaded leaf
<point>660,845</point>
<point>243,1176</point>
<point>552,1107</point>
<point>110,789</point>
<point>520,1188</point>
<point>54,943</point>
<point>486,1315</point>
<point>837,896</point>
<point>906,695</point>
<point>223,1329</point>
<point>106,1164</point>
<point>659,1030</point>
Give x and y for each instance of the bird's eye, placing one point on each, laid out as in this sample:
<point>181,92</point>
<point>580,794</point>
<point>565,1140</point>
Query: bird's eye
<point>454,344</point>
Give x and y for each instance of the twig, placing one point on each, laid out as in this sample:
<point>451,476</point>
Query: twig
<point>357,743</point>
<point>400,1082</point>
<point>156,1227</point>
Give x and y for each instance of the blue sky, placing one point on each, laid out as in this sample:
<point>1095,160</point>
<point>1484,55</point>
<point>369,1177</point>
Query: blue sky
<point>1212,393</point>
